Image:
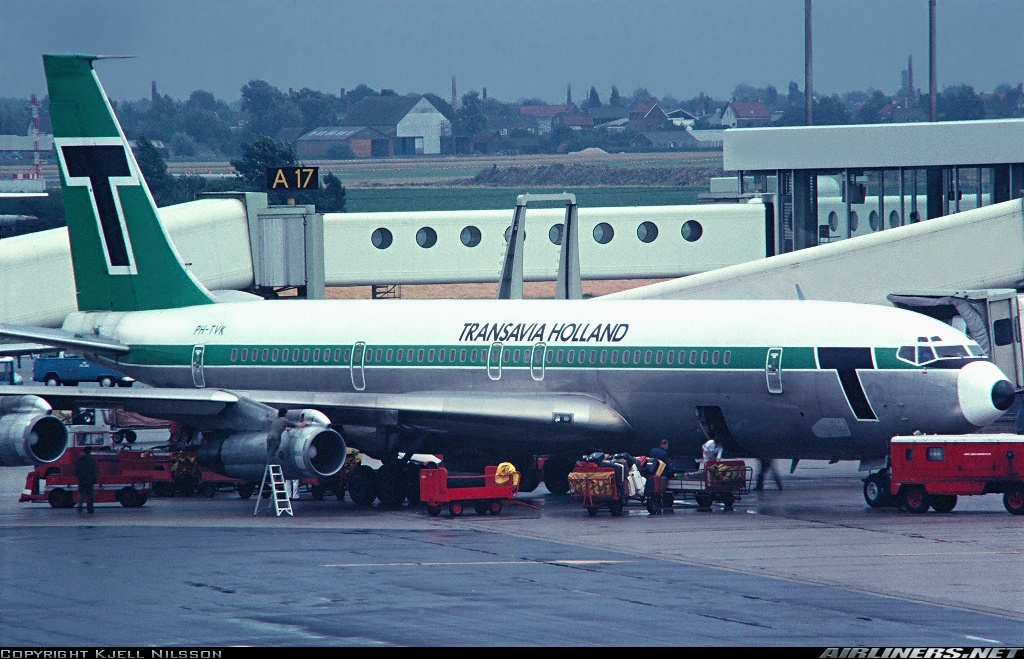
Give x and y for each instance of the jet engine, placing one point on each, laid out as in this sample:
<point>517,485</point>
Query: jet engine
<point>311,451</point>
<point>29,434</point>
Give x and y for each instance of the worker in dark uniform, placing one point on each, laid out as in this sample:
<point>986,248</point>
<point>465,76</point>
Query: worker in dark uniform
<point>85,472</point>
<point>277,428</point>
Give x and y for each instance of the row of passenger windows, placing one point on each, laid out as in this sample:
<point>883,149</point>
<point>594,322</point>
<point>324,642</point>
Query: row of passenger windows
<point>479,356</point>
<point>470,236</point>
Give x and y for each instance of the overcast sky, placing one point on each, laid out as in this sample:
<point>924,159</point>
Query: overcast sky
<point>515,48</point>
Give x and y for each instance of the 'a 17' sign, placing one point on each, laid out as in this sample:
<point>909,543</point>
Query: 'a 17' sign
<point>293,178</point>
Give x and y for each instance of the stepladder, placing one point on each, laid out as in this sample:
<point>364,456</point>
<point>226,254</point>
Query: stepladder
<point>279,499</point>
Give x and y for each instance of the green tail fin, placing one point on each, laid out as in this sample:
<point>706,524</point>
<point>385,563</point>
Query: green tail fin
<point>122,257</point>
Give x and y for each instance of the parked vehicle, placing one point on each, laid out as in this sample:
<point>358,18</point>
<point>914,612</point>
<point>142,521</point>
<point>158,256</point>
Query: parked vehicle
<point>931,471</point>
<point>123,476</point>
<point>8,372</point>
<point>71,370</point>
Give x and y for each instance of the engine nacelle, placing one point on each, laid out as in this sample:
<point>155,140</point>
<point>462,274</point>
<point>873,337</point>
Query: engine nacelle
<point>313,451</point>
<point>29,434</point>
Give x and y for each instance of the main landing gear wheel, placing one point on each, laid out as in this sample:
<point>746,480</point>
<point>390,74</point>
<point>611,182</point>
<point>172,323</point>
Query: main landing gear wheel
<point>943,503</point>
<point>556,475</point>
<point>245,490</point>
<point>876,491</point>
<point>915,499</point>
<point>362,486</point>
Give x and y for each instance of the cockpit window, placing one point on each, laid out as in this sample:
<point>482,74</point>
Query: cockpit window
<point>924,355</point>
<point>975,350</point>
<point>950,351</point>
<point>906,353</point>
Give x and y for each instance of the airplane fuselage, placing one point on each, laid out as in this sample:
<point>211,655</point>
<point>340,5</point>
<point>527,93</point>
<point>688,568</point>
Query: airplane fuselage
<point>778,378</point>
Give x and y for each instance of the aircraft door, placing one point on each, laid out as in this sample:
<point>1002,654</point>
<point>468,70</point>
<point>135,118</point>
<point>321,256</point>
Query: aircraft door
<point>540,351</point>
<point>1005,339</point>
<point>355,366</point>
<point>773,370</point>
<point>494,361</point>
<point>197,366</point>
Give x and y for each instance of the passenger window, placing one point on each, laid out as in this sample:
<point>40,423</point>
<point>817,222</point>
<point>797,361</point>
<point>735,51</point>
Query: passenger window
<point>593,356</point>
<point>571,357</point>
<point>462,355</point>
<point>647,356</point>
<point>337,355</point>
<point>399,355</point>
<point>659,356</point>
<point>234,354</point>
<point>285,354</point>
<point>430,356</point>
<point>408,355</point>
<point>670,357</point>
<point>255,355</point>
<point>472,356</point>
<point>419,355</point>
<point>636,356</point>
<point>380,355</point>
<point>550,356</point>
<point>714,357</point>
<point>558,356</point>
<point>451,355</point>
<point>348,354</point>
<point>273,354</point>
<point>515,356</point>
<point>604,356</point>
<point>704,357</point>
<point>389,355</point>
<point>265,353</point>
<point>625,356</point>
<point>316,354</point>
<point>615,356</point>
<point>441,355</point>
<point>693,356</point>
<point>727,357</point>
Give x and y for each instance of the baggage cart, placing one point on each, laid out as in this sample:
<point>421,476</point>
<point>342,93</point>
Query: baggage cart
<point>486,493</point>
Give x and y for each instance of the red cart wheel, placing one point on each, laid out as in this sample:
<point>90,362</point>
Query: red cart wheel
<point>433,511</point>
<point>454,508</point>
<point>495,507</point>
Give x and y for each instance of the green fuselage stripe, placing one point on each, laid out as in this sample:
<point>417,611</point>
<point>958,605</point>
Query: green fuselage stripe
<point>476,355</point>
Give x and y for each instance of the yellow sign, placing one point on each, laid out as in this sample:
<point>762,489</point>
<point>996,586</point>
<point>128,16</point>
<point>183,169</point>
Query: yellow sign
<point>293,178</point>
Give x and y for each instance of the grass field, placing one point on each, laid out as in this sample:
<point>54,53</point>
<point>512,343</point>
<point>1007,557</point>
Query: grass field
<point>368,200</point>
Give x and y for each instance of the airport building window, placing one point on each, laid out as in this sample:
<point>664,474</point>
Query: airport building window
<point>381,238</point>
<point>691,231</point>
<point>555,234</point>
<point>426,237</point>
<point>470,236</point>
<point>647,232</point>
<point>603,233</point>
<point>894,219</point>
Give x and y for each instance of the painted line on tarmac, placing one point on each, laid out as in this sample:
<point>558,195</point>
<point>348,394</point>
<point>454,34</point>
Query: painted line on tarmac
<point>424,564</point>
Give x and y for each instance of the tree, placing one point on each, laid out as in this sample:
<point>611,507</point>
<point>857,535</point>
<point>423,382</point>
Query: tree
<point>869,111</point>
<point>317,108</point>
<point>593,100</point>
<point>959,103</point>
<point>268,109</point>
<point>257,157</point>
<point>331,196</point>
<point>829,111</point>
<point>470,118</point>
<point>615,100</point>
<point>154,171</point>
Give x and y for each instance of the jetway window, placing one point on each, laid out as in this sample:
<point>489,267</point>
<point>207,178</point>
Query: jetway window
<point>873,221</point>
<point>555,234</point>
<point>381,238</point>
<point>426,237</point>
<point>603,233</point>
<point>691,231</point>
<point>833,221</point>
<point>894,219</point>
<point>470,236</point>
<point>647,232</point>
<point>854,221</point>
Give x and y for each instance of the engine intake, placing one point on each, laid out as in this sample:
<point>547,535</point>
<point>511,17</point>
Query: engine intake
<point>29,434</point>
<point>313,451</point>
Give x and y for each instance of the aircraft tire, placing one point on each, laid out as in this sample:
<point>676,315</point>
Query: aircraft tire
<point>362,486</point>
<point>556,476</point>
<point>876,491</point>
<point>245,490</point>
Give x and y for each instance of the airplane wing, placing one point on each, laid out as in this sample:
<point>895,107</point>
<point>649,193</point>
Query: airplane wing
<point>58,338</point>
<point>434,410</point>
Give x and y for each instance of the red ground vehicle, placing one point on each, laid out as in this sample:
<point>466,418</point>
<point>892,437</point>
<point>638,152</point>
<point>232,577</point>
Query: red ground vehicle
<point>931,471</point>
<point>126,479</point>
<point>600,483</point>
<point>724,481</point>
<point>178,472</point>
<point>486,493</point>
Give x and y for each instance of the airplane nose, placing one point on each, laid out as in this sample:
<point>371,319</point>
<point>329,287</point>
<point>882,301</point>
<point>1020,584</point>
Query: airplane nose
<point>984,392</point>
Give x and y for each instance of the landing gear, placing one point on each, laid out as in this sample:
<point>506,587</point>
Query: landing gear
<point>556,475</point>
<point>362,486</point>
<point>876,490</point>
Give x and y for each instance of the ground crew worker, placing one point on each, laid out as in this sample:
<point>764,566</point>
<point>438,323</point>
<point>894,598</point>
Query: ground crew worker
<point>277,428</point>
<point>85,472</point>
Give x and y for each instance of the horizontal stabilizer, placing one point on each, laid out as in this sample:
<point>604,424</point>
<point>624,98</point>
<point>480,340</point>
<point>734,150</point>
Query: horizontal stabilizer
<point>58,338</point>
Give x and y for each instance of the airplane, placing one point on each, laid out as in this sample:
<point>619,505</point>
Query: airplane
<point>477,381</point>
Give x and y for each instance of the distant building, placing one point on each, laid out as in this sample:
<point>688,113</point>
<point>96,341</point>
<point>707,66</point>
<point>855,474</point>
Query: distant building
<point>648,117</point>
<point>607,113</point>
<point>681,118</point>
<point>413,123</point>
<point>325,142</point>
<point>665,140</point>
<point>709,139</point>
<point>547,115</point>
<point>745,114</point>
<point>22,147</point>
